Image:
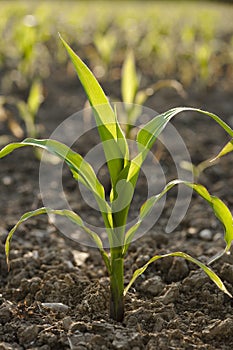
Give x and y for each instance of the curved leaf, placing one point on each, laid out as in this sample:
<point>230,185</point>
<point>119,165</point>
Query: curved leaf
<point>72,216</point>
<point>212,275</point>
<point>220,210</point>
<point>80,168</point>
<point>144,212</point>
<point>147,135</point>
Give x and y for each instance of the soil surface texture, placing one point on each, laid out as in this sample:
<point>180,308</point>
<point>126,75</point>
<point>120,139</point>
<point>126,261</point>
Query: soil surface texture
<point>56,294</point>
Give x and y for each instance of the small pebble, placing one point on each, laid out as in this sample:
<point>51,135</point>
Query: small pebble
<point>218,236</point>
<point>206,234</point>
<point>7,180</point>
<point>80,257</point>
<point>59,307</point>
<point>192,230</point>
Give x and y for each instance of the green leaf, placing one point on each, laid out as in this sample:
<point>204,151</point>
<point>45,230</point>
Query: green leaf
<point>116,147</point>
<point>212,275</point>
<point>129,79</point>
<point>29,110</point>
<point>149,133</point>
<point>226,149</point>
<point>144,212</point>
<point>72,216</point>
<point>81,169</point>
<point>105,44</point>
<point>220,210</point>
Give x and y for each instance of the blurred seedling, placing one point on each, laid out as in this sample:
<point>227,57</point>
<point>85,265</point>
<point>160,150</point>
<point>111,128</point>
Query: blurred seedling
<point>134,98</point>
<point>28,110</point>
<point>105,44</point>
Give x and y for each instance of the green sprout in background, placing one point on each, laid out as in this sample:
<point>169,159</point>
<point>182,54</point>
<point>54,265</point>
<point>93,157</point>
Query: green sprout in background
<point>124,173</point>
<point>28,110</point>
<point>105,45</point>
<point>134,98</point>
<point>193,42</point>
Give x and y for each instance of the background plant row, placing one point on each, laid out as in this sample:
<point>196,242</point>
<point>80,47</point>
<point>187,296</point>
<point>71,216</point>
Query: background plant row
<point>189,41</point>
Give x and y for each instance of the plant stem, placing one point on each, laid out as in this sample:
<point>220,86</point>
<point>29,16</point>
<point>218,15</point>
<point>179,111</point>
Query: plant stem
<point>117,285</point>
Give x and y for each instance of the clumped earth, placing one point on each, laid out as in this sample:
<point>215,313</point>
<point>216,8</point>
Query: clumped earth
<point>55,295</point>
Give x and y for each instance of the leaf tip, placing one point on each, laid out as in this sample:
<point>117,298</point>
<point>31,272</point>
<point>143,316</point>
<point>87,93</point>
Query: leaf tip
<point>61,38</point>
<point>224,289</point>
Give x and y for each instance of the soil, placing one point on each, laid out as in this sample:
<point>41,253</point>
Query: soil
<point>55,295</point>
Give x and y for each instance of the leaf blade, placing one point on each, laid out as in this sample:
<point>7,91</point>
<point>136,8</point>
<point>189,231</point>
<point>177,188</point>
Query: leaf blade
<point>108,126</point>
<point>221,211</point>
<point>72,216</point>
<point>210,273</point>
<point>80,168</point>
<point>225,150</point>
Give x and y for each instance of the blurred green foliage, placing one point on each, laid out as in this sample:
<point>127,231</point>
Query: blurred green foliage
<point>189,41</point>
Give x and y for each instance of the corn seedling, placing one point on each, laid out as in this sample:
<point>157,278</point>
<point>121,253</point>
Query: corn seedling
<point>134,98</point>
<point>105,45</point>
<point>7,117</point>
<point>124,173</point>
<point>28,110</point>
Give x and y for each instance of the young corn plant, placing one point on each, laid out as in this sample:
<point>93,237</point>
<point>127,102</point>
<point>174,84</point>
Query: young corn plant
<point>29,109</point>
<point>105,45</point>
<point>124,173</point>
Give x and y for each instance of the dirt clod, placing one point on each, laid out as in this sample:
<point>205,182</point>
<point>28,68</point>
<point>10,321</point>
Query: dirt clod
<point>27,335</point>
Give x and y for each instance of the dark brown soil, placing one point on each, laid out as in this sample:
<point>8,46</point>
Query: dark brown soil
<point>55,295</point>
